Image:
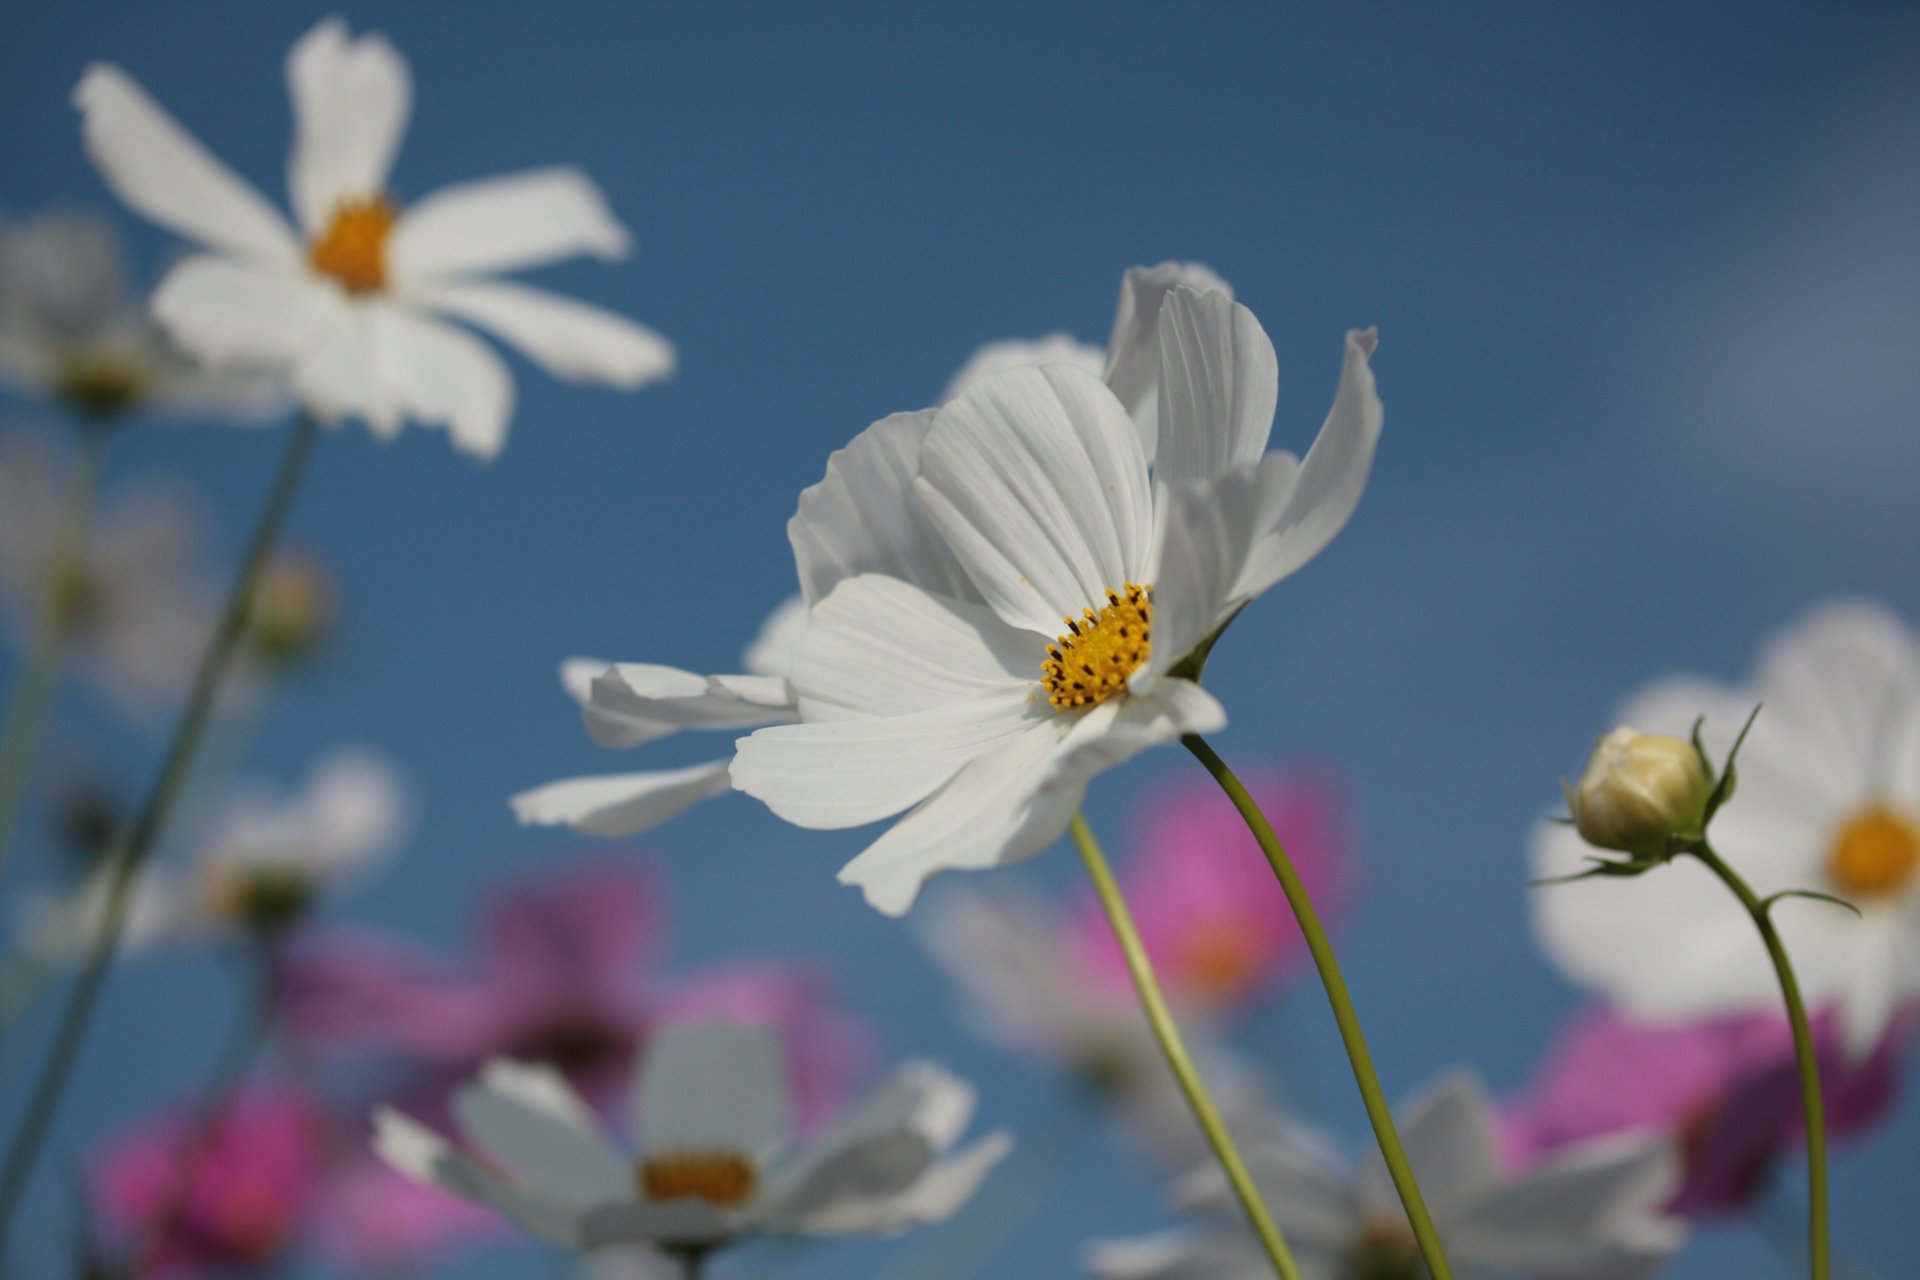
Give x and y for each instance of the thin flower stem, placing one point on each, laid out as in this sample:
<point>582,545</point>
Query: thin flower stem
<point>1811,1103</point>
<point>251,1030</point>
<point>1175,1051</point>
<point>131,847</point>
<point>39,677</point>
<point>1349,1022</point>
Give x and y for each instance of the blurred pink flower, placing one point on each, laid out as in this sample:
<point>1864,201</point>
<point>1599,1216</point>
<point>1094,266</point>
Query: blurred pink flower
<point>381,1222</point>
<point>1213,918</point>
<point>1726,1088</point>
<point>255,1186</point>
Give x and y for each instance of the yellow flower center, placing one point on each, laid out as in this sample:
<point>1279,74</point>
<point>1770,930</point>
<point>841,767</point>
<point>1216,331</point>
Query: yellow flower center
<point>1875,854</point>
<point>723,1178</point>
<point>353,249</point>
<point>1216,964</point>
<point>1092,661</point>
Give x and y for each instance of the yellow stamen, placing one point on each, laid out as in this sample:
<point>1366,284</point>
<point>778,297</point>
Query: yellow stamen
<point>353,250</point>
<point>723,1178</point>
<point>1875,854</point>
<point>1092,661</point>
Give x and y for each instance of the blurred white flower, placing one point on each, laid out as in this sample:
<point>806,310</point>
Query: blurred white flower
<point>1592,1211</point>
<point>716,1161</point>
<point>349,306</point>
<point>69,332</point>
<point>1098,579</point>
<point>139,607</point>
<point>269,861</point>
<point>1828,800</point>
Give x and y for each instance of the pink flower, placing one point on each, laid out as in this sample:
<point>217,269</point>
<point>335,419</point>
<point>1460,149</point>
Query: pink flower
<point>381,1222</point>
<point>1213,918</point>
<point>1726,1089</point>
<point>255,1186</point>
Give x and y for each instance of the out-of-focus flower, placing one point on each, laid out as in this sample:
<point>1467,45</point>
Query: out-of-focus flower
<point>1828,800</point>
<point>716,1161</point>
<point>376,1220</point>
<point>985,721</point>
<point>1638,791</point>
<point>138,607</point>
<point>1593,1210</point>
<point>271,859</point>
<point>70,333</point>
<point>349,305</point>
<point>293,613</point>
<point>1725,1089</point>
<point>257,1181</point>
<point>1216,925</point>
<point>861,518</point>
<point>566,976</point>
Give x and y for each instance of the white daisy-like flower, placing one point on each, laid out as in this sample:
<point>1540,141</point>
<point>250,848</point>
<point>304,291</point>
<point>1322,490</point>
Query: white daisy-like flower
<point>269,861</point>
<point>139,604</point>
<point>1593,1211</point>
<point>860,518</point>
<point>1098,578</point>
<point>70,332</point>
<point>1828,800</point>
<point>716,1162</point>
<point>351,305</point>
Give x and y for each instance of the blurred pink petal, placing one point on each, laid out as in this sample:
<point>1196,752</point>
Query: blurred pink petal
<point>256,1186</point>
<point>1727,1088</point>
<point>378,1220</point>
<point>1213,918</point>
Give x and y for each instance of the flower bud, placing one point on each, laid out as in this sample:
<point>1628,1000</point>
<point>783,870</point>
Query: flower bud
<point>293,612</point>
<point>1638,790</point>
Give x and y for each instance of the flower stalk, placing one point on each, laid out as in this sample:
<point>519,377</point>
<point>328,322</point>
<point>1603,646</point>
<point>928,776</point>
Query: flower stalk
<point>1167,1032</point>
<point>131,847</point>
<point>39,677</point>
<point>1378,1113</point>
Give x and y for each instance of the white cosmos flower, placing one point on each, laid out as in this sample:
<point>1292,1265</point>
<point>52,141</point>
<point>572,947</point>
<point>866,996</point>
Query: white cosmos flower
<point>1593,1211</point>
<point>860,518</point>
<point>716,1160</point>
<point>350,305</point>
<point>1097,578</point>
<point>70,331</point>
<point>1828,800</point>
<point>270,859</point>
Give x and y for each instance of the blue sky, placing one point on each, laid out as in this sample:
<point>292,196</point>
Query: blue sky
<point>1645,277</point>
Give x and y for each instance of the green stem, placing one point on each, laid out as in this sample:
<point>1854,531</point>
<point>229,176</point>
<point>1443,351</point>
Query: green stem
<point>1175,1051</point>
<point>131,848</point>
<point>1804,1057</point>
<point>231,1066</point>
<point>39,676</point>
<point>1349,1022</point>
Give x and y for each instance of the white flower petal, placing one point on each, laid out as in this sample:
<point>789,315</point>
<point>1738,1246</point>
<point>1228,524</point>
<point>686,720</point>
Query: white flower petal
<point>1844,682</point>
<point>633,702</point>
<point>621,804</point>
<point>937,1194</point>
<point>62,281</point>
<point>566,338</point>
<point>998,357</point>
<point>846,773</point>
<point>425,1156</point>
<point>442,376</point>
<point>713,1087</point>
<point>863,518</point>
<point>1448,1133</point>
<point>1331,479</point>
<point>1121,728</point>
<point>1600,1200</point>
<point>1883,978</point>
<point>1133,349</point>
<point>1306,1185</point>
<point>990,813</point>
<point>342,377</point>
<point>237,313</point>
<point>880,646</point>
<point>1219,382</point>
<point>351,99</point>
<point>771,651</point>
<point>529,1119</point>
<point>690,1222</point>
<point>354,809</point>
<point>1181,1255</point>
<point>1037,481</point>
<point>163,173</point>
<point>498,225</point>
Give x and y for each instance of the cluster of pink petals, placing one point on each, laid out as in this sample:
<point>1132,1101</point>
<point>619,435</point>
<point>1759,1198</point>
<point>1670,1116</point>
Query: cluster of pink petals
<point>1726,1088</point>
<point>1212,917</point>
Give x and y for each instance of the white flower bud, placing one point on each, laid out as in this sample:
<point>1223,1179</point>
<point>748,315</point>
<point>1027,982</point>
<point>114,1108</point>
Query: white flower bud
<point>1637,790</point>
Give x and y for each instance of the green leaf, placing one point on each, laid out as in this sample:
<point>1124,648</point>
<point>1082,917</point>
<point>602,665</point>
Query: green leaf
<point>1766,903</point>
<point>1700,748</point>
<point>1600,867</point>
<point>1723,790</point>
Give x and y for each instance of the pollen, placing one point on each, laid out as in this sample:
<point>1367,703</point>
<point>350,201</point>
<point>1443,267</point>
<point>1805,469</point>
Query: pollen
<point>1875,855</point>
<point>723,1178</point>
<point>353,249</point>
<point>1092,661</point>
